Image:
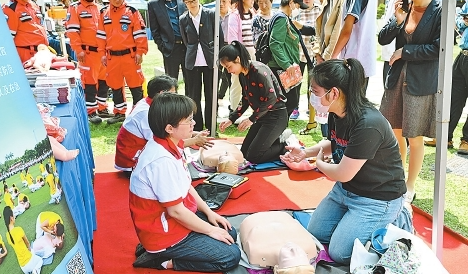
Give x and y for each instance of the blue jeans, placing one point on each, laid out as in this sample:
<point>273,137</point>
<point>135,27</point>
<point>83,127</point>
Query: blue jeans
<point>343,216</point>
<point>199,252</point>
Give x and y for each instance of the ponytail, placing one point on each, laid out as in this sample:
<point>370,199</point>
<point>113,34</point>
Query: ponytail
<point>7,214</point>
<point>349,76</point>
<point>235,49</point>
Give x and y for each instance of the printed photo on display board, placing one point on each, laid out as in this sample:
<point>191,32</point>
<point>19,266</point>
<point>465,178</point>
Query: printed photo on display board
<point>37,232</point>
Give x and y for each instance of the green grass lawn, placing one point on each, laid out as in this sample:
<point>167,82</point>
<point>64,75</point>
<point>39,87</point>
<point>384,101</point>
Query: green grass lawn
<point>103,138</point>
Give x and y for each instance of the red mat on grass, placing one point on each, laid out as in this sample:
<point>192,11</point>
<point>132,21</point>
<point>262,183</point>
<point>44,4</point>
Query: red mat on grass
<point>115,238</point>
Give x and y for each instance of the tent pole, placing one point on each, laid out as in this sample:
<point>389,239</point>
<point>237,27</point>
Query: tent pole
<point>216,42</point>
<point>442,119</point>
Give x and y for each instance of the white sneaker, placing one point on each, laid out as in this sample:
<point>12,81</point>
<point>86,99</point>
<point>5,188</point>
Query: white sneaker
<point>292,141</point>
<point>284,136</point>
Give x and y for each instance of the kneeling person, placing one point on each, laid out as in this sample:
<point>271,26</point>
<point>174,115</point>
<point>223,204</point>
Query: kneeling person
<point>135,131</point>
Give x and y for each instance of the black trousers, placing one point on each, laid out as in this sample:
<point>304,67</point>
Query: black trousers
<point>194,79</point>
<point>261,143</point>
<point>225,77</point>
<point>302,67</point>
<point>458,95</point>
<point>174,61</point>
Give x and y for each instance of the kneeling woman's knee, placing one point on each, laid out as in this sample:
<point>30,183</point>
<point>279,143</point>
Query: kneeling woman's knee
<point>254,156</point>
<point>232,259</point>
<point>340,252</point>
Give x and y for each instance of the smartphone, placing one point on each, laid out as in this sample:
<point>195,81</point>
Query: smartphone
<point>405,6</point>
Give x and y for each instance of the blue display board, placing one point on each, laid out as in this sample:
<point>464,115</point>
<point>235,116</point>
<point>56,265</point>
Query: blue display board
<point>51,243</point>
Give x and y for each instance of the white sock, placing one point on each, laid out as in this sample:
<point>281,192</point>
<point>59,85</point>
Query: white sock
<point>165,264</point>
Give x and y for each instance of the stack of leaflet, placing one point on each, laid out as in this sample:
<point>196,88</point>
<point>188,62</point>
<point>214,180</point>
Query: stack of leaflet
<point>32,76</point>
<point>52,90</point>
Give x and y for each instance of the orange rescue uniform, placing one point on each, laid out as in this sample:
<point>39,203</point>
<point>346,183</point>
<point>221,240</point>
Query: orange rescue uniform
<point>24,21</point>
<point>82,25</point>
<point>121,35</point>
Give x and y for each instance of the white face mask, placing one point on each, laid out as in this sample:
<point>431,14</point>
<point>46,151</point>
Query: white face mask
<point>315,101</point>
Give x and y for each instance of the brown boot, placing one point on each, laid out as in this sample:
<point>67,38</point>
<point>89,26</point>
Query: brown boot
<point>463,147</point>
<point>432,143</point>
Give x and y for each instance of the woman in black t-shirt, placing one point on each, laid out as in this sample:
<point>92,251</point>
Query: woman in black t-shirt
<point>365,162</point>
<point>262,93</point>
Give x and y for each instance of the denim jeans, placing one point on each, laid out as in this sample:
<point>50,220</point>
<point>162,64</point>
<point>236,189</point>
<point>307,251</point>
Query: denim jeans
<point>199,252</point>
<point>343,216</point>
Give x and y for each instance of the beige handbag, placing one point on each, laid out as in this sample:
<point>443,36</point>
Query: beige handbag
<point>263,234</point>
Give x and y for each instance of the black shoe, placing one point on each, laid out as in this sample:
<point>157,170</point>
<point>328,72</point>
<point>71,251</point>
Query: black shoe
<point>150,260</point>
<point>94,118</point>
<point>105,113</point>
<point>139,250</point>
<point>116,119</point>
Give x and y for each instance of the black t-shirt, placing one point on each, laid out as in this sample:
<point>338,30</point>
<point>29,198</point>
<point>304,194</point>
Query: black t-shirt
<point>370,138</point>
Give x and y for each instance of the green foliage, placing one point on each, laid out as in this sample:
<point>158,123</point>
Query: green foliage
<point>381,9</point>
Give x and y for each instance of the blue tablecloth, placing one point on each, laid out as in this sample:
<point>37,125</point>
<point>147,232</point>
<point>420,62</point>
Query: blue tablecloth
<point>76,176</point>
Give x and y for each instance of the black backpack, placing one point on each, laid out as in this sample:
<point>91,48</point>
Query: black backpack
<point>263,53</point>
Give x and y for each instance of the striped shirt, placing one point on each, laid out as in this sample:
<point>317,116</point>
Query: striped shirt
<point>246,28</point>
<point>307,17</point>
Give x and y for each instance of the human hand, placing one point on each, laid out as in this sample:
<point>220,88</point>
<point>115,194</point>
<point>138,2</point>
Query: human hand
<point>138,59</point>
<point>395,56</point>
<point>81,57</point>
<point>297,24</point>
<point>291,70</point>
<point>217,220</point>
<point>104,61</point>
<point>399,12</point>
<point>319,59</point>
<point>220,234</point>
<point>245,124</point>
<point>320,156</point>
<point>223,125</point>
<point>202,140</point>
<point>220,228</point>
<point>294,154</point>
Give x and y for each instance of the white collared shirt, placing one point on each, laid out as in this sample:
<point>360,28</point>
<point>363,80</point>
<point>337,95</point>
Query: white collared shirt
<point>200,58</point>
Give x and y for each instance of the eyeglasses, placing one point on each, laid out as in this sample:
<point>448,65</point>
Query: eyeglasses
<point>312,92</point>
<point>189,121</point>
<point>191,2</point>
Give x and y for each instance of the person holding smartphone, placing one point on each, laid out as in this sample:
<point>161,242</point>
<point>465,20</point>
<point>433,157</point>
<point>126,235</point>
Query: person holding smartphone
<point>409,99</point>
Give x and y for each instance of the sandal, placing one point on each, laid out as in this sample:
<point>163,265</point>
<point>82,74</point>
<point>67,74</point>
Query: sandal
<point>308,128</point>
